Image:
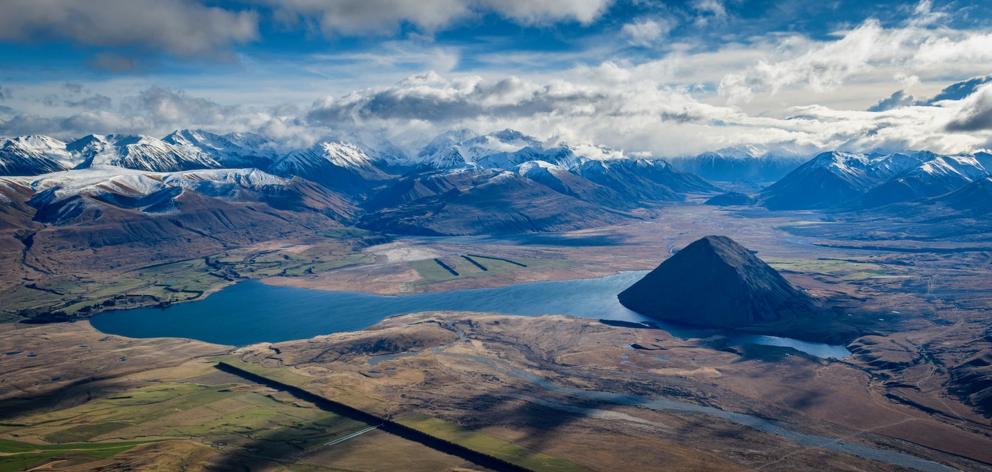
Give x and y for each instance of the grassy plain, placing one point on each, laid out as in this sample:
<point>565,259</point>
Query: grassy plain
<point>177,281</point>
<point>153,416</point>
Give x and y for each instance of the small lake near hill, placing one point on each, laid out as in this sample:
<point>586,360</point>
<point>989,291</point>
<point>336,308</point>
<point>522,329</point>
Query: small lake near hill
<point>251,312</point>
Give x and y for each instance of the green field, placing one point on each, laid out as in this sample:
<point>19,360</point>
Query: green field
<point>434,426</point>
<point>843,269</point>
<point>16,456</point>
<point>172,282</point>
<point>488,444</point>
<point>210,408</point>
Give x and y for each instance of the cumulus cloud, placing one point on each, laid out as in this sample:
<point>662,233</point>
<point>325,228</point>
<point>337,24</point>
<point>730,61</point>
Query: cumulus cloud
<point>4,93</point>
<point>647,31</point>
<point>540,11</point>
<point>919,47</point>
<point>898,99</point>
<point>165,107</point>
<point>380,17</point>
<point>620,108</point>
<point>153,110</point>
<point>65,126</point>
<point>820,68</point>
<point>664,106</point>
<point>183,27</point>
<point>628,112</point>
<point>431,97</point>
<point>712,7</point>
<point>976,114</point>
<point>709,10</point>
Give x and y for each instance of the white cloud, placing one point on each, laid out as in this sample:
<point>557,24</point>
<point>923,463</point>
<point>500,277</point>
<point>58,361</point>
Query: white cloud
<point>383,17</point>
<point>976,111</point>
<point>153,110</point>
<point>820,68</point>
<point>867,52</point>
<point>898,99</point>
<point>709,10</point>
<point>625,111</point>
<point>614,104</point>
<point>183,27</point>
<point>953,49</point>
<point>673,105</point>
<point>712,7</point>
<point>647,31</point>
<point>541,11</point>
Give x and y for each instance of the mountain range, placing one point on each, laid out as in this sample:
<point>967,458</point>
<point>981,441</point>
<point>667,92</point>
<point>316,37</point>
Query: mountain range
<point>876,181</point>
<point>460,183</point>
<point>748,165</point>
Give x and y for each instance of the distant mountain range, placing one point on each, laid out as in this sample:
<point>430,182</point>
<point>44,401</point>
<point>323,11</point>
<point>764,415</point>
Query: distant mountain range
<point>844,180</point>
<point>742,165</point>
<point>460,183</point>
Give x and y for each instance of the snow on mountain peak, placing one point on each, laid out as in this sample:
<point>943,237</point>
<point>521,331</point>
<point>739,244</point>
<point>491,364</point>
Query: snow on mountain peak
<point>32,155</point>
<point>596,152</point>
<point>446,149</point>
<point>137,152</point>
<point>344,154</point>
<point>531,167</point>
<point>744,151</point>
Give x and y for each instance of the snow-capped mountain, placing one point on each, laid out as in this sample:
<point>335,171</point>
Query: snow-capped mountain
<point>569,156</point>
<point>562,180</point>
<point>888,165</point>
<point>338,165</point>
<point>125,218</point>
<point>138,153</point>
<point>230,150</point>
<point>84,195</point>
<point>442,152</point>
<point>462,147</point>
<point>505,149</point>
<point>746,164</point>
<point>830,179</point>
<point>642,179</point>
<point>936,176</point>
<point>847,180</point>
<point>33,155</point>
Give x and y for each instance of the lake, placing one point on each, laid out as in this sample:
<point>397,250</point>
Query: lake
<point>251,312</point>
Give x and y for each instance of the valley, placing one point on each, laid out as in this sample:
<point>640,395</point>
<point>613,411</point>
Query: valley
<point>469,376</point>
<point>468,296</point>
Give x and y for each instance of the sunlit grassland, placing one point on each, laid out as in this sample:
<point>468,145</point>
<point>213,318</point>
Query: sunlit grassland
<point>488,444</point>
<point>17,456</point>
<point>208,407</point>
<point>431,272</point>
<point>175,281</point>
<point>842,269</point>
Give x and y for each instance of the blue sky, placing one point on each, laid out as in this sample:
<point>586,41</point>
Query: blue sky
<point>640,75</point>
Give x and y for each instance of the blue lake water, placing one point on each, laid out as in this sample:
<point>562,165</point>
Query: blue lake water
<point>251,312</point>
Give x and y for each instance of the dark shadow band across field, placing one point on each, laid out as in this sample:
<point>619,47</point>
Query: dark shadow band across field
<point>382,423</point>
